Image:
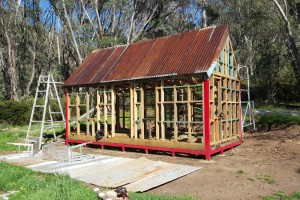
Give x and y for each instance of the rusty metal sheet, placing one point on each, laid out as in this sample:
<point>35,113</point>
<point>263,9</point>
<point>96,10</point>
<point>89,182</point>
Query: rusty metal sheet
<point>158,178</point>
<point>107,67</point>
<point>107,171</point>
<point>180,54</point>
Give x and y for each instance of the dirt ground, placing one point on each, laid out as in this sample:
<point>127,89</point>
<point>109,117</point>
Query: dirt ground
<point>267,162</point>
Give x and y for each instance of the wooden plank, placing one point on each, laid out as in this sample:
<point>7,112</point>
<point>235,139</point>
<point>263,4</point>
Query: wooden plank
<point>189,113</point>
<point>131,112</point>
<point>142,111</point>
<point>117,110</point>
<point>98,109</point>
<point>113,111</point>
<point>221,112</point>
<point>87,96</point>
<point>157,113</point>
<point>77,113</point>
<point>135,111</point>
<point>105,111</point>
<point>162,111</point>
<point>175,114</point>
<point>123,110</point>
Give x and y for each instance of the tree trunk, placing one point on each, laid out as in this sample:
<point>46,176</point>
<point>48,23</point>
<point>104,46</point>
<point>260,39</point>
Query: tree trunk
<point>98,19</point>
<point>28,86</point>
<point>72,33</point>
<point>204,17</point>
<point>12,71</point>
<point>293,47</point>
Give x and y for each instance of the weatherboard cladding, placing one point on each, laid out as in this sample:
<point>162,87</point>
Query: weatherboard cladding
<point>181,54</point>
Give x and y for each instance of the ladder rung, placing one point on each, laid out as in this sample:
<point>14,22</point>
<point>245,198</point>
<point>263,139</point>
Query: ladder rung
<point>55,112</point>
<point>34,121</point>
<point>39,106</point>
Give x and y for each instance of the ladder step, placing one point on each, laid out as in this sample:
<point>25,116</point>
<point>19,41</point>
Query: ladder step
<point>35,121</point>
<point>55,112</point>
<point>39,106</point>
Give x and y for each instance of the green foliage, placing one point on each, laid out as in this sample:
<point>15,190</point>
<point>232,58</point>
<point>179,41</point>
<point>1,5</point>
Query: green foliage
<point>14,112</point>
<point>18,113</point>
<point>275,120</point>
<point>149,196</point>
<point>283,196</point>
<point>35,185</point>
<point>266,178</point>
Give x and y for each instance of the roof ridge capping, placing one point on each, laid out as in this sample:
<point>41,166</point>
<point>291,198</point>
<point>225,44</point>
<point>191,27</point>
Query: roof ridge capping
<point>176,34</point>
<point>112,47</point>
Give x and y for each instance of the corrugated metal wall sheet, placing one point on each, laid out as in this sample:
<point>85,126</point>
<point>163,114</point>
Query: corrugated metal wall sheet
<point>107,171</point>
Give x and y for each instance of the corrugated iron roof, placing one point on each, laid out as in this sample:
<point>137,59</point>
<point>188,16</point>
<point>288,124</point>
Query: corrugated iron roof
<point>181,54</point>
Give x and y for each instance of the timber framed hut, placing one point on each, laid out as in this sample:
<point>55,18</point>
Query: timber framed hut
<point>179,94</point>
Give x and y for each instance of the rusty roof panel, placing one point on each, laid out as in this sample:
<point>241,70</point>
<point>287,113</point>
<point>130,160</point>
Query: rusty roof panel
<point>72,78</point>
<point>180,54</point>
<point>105,70</point>
<point>93,67</point>
<point>130,60</point>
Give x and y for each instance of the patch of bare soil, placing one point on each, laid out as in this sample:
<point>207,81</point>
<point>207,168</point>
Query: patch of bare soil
<point>267,162</point>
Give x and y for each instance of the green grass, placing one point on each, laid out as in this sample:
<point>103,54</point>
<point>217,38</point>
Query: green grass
<point>277,120</point>
<point>35,185</point>
<point>283,196</point>
<point>278,107</point>
<point>240,172</point>
<point>266,178</point>
<point>148,196</point>
<point>9,136</point>
<point>9,133</point>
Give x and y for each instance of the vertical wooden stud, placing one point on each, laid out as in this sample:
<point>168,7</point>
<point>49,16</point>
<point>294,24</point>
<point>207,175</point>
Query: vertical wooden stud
<point>113,111</point>
<point>157,112</point>
<point>117,110</point>
<point>162,110</point>
<point>87,106</point>
<point>175,114</point>
<point>135,111</point>
<point>142,111</point>
<point>105,111</point>
<point>131,112</point>
<point>189,113</point>
<point>77,112</point>
<point>98,109</point>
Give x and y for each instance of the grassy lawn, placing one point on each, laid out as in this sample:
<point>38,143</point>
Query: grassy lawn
<point>46,186</point>
<point>276,120</point>
<point>283,196</point>
<point>35,185</point>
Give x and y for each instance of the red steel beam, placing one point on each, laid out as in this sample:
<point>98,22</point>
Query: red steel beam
<point>206,105</point>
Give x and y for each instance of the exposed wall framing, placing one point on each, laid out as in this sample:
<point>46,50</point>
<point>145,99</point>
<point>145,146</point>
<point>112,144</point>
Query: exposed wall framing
<point>189,114</point>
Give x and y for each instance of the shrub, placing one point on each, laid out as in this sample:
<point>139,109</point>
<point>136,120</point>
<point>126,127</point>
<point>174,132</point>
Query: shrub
<point>18,113</point>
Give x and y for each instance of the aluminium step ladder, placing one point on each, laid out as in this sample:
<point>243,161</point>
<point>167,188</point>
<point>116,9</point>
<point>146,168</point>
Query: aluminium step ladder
<point>248,112</point>
<point>47,90</point>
